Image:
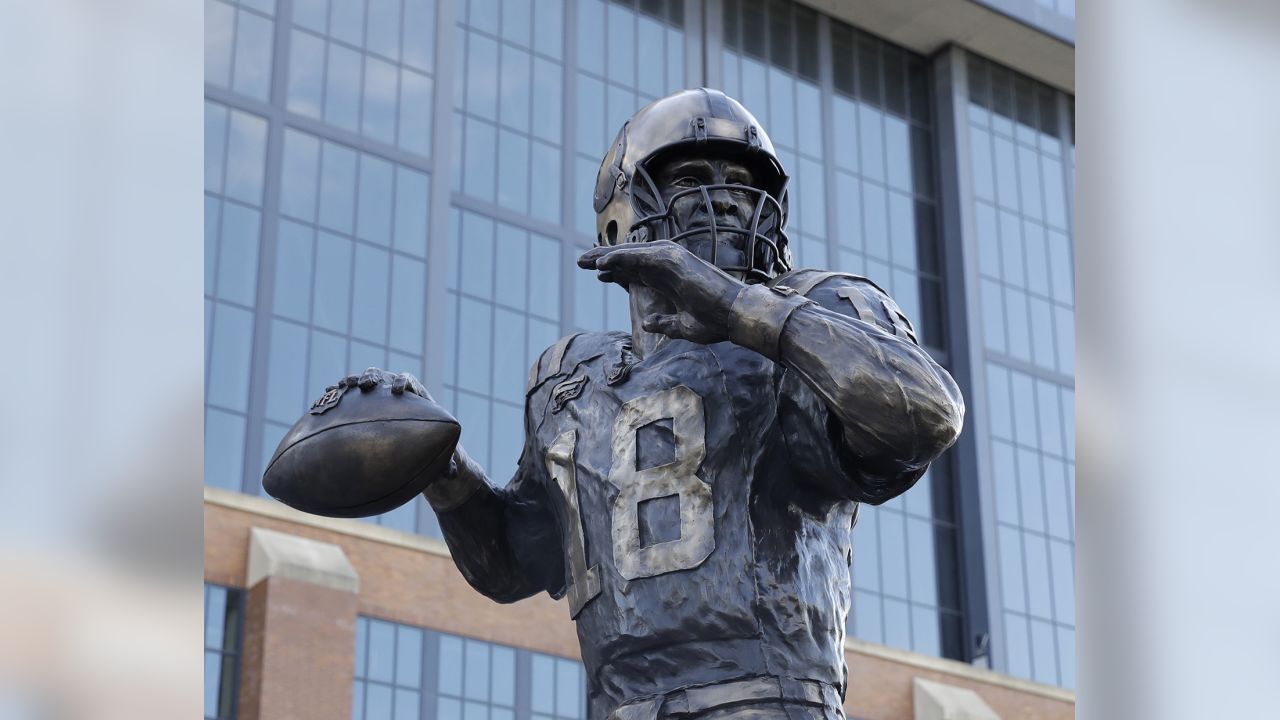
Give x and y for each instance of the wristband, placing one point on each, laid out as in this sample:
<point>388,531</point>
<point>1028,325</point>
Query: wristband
<point>451,490</point>
<point>759,313</point>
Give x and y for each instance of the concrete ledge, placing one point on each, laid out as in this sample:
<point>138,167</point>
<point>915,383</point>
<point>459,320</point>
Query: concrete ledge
<point>956,668</point>
<point>925,26</point>
<point>277,554</point>
<point>936,701</point>
<point>354,528</point>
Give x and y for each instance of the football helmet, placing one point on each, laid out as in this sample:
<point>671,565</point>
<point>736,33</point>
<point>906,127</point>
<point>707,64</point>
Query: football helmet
<point>630,206</point>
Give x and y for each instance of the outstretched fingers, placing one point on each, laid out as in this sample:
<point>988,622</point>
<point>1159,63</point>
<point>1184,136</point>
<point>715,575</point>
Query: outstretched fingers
<point>588,259</point>
<point>370,379</point>
<point>400,383</point>
<point>405,382</point>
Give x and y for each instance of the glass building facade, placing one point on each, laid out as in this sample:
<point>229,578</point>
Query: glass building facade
<point>407,673</point>
<point>406,183</point>
<point>223,628</point>
<point>1020,139</point>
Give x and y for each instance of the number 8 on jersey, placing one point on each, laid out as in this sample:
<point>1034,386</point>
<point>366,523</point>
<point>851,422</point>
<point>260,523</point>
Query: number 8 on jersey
<point>678,478</point>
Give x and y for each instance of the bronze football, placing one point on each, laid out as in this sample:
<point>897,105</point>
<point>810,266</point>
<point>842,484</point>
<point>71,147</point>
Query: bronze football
<point>359,453</point>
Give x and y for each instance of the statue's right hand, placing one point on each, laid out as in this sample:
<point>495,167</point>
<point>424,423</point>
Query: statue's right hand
<point>373,377</point>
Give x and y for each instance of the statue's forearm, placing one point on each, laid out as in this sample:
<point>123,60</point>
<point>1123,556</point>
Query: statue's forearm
<point>473,517</point>
<point>897,407</point>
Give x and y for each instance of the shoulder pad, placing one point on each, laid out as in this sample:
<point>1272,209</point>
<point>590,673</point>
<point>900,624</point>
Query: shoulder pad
<point>566,354</point>
<point>806,279</point>
<point>869,301</point>
<point>549,361</point>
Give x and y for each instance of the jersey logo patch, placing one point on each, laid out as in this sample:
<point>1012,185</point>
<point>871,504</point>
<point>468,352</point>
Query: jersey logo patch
<point>568,390</point>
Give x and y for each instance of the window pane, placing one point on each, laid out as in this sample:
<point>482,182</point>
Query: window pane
<point>546,100</point>
<point>224,449</point>
<point>866,552</point>
<point>253,55</point>
<point>545,183</point>
<point>504,676</point>
<point>875,221</point>
<point>476,671</point>
<point>337,187</point>
<point>215,145</point>
<point>408,658</point>
<point>479,153</point>
<point>369,305</point>
<point>513,171</point>
<point>332,292</point>
<point>1029,490</point>
<point>922,566</point>
<point>1011,582</point>
<point>238,254</point>
<point>406,707</point>
<point>299,174</point>
<point>379,118</point>
<point>543,684</point>
<point>1017,643</point>
<point>384,28</point>
<point>1044,654</point>
<point>328,362</point>
<point>925,631</point>
<point>346,21</point>
<point>515,77</point>
<point>1063,567</point>
<point>511,266</point>
<point>568,689</point>
<point>286,372</point>
<point>474,345</point>
<point>893,552</point>
<point>377,703</point>
<point>229,361</point>
<point>212,683</point>
<point>415,112</point>
<point>548,23</point>
<point>342,88</point>
<point>450,678</point>
<point>419,32</point>
<point>408,280</point>
<point>866,616</point>
<point>246,153</point>
<point>509,366</point>
<point>374,213</point>
<point>381,651</point>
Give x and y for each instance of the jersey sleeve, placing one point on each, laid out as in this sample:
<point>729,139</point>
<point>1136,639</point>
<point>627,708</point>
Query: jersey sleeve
<point>532,528</point>
<point>507,541</point>
<point>533,523</point>
<point>814,436</point>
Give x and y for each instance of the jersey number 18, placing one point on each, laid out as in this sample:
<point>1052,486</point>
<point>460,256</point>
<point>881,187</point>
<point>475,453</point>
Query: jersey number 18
<point>677,478</point>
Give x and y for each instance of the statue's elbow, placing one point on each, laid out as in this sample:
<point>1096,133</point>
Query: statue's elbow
<point>946,421</point>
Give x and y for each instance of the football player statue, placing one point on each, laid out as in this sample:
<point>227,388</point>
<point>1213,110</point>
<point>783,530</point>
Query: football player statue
<point>692,486</point>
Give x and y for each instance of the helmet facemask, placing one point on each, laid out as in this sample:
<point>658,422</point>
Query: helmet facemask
<point>760,245</point>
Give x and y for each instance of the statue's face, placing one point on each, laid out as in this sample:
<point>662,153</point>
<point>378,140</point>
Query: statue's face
<point>732,208</point>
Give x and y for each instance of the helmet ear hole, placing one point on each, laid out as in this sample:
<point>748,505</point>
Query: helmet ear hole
<point>611,232</point>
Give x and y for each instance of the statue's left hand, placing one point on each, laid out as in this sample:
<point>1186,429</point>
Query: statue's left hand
<point>701,293</point>
<point>373,377</point>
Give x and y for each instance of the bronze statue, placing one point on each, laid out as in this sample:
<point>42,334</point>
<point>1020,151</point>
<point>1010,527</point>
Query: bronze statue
<point>692,486</point>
